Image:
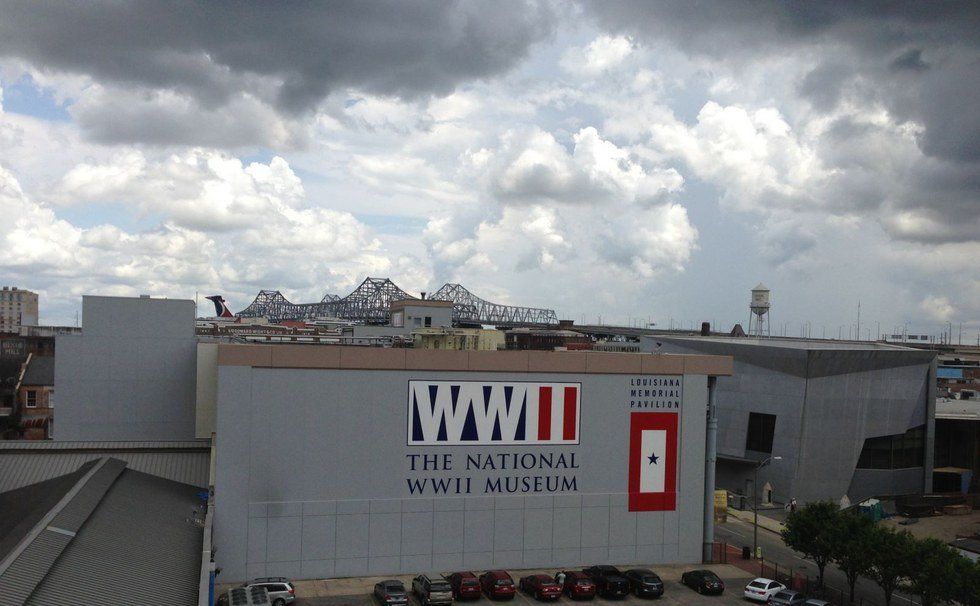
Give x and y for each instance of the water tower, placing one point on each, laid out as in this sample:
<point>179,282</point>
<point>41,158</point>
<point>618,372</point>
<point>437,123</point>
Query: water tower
<point>759,306</point>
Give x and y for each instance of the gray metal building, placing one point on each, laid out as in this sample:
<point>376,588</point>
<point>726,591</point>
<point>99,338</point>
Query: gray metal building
<point>131,374</point>
<point>850,419</point>
<point>334,461</point>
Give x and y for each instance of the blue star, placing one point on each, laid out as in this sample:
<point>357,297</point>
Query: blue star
<point>653,458</point>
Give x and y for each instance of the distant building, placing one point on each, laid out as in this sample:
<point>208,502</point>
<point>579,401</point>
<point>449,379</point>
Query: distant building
<point>35,398</point>
<point>617,346</point>
<point>958,376</point>
<point>421,313</point>
<point>546,339</point>
<point>475,339</point>
<point>17,308</point>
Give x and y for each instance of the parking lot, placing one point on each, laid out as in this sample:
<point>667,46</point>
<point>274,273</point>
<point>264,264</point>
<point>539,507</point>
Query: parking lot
<point>357,592</point>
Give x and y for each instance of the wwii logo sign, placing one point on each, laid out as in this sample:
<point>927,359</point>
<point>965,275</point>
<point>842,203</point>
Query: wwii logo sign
<point>454,413</point>
<point>653,461</point>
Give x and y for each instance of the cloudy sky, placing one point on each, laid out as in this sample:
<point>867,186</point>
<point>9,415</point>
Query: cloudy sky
<point>642,161</point>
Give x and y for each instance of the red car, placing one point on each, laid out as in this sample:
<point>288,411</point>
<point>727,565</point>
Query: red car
<point>465,586</point>
<point>498,585</point>
<point>541,586</point>
<point>578,585</point>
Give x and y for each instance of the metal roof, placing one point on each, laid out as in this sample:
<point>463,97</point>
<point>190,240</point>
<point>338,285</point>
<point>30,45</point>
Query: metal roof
<point>26,462</point>
<point>140,546</point>
<point>40,371</point>
<point>116,536</point>
<point>963,410</point>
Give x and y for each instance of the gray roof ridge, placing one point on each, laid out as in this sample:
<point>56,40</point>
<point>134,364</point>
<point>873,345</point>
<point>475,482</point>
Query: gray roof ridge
<point>22,580</point>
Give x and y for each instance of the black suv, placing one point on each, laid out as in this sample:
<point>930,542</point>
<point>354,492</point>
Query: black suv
<point>609,581</point>
<point>703,581</point>
<point>645,583</point>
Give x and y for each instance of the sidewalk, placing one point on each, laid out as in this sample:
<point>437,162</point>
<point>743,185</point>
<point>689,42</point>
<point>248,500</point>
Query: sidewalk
<point>765,521</point>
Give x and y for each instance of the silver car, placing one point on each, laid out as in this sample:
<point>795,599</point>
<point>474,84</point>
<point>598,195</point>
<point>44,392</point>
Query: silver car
<point>391,593</point>
<point>281,590</point>
<point>432,589</point>
<point>244,596</point>
<point>788,597</point>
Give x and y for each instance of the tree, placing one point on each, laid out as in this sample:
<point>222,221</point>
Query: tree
<point>934,575</point>
<point>966,581</point>
<point>812,530</point>
<point>892,558</point>
<point>852,547</point>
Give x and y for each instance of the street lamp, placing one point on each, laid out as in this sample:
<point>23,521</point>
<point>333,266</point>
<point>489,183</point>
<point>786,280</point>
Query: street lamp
<point>755,504</point>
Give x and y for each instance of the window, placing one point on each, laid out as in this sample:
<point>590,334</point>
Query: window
<point>761,429</point>
<point>51,399</point>
<point>32,399</point>
<point>899,451</point>
<point>428,321</point>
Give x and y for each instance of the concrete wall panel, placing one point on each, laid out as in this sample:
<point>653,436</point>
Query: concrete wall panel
<point>328,471</point>
<point>131,374</point>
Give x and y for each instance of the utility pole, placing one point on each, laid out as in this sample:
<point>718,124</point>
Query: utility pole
<point>859,322</point>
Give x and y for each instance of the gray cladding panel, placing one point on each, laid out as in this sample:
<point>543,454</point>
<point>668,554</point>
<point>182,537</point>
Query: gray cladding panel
<point>336,452</point>
<point>126,378</point>
<point>827,402</point>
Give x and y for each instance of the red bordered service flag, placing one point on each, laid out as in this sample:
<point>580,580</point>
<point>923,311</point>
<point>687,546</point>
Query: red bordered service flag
<point>653,461</point>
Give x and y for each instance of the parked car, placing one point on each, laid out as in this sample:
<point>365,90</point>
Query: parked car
<point>577,585</point>
<point>281,591</point>
<point>244,596</point>
<point>432,589</point>
<point>465,585</point>
<point>391,593</point>
<point>498,585</point>
<point>788,597</point>
<point>760,590</point>
<point>609,581</point>
<point>644,583</point>
<point>703,581</point>
<point>541,586</point>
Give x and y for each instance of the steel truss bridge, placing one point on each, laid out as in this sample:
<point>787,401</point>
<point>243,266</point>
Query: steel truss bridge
<point>371,301</point>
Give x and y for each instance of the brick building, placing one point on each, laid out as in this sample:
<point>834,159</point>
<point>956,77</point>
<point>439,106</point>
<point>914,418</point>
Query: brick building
<point>35,398</point>
<point>546,339</point>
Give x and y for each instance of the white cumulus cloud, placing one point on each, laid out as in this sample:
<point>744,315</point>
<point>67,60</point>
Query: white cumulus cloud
<point>603,53</point>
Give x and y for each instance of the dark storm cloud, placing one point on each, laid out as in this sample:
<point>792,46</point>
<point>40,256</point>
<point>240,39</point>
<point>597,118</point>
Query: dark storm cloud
<point>920,60</point>
<point>294,53</point>
<point>911,59</point>
<point>746,27</point>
